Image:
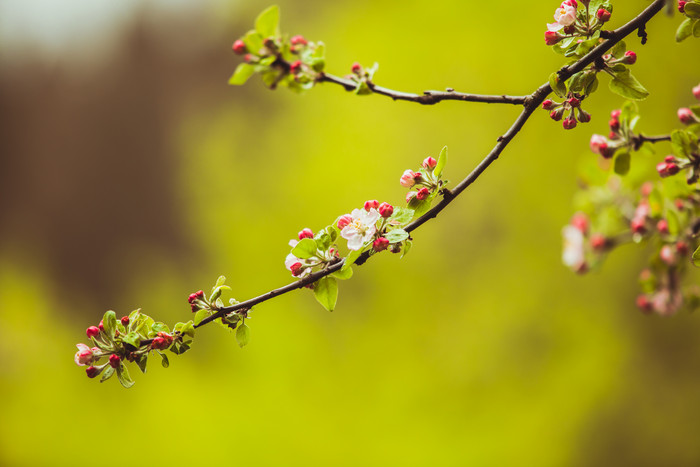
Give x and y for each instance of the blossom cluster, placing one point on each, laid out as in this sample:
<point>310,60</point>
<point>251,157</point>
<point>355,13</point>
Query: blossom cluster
<point>691,24</point>
<point>572,22</point>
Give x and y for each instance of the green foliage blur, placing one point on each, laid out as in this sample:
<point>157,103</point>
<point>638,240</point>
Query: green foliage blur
<point>478,348</point>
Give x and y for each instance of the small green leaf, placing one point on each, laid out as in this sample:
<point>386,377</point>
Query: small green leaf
<point>682,143</point>
<point>216,293</point>
<point>326,292</point>
<point>159,327</point>
<point>626,85</point>
<point>124,377</point>
<point>165,362</point>
<point>253,42</point>
<point>396,236</point>
<point>674,225</point>
<point>109,322</point>
<point>406,248</point>
<point>618,50</point>
<point>200,315</point>
<point>243,335</point>
<point>363,89</point>
<point>696,108</point>
<point>306,248</point>
<point>696,257</point>
<point>401,216</point>
<point>442,160</point>
<point>685,30</point>
<point>132,338</point>
<point>343,274</point>
<point>692,10</point>
<point>622,163</point>
<point>141,362</point>
<point>242,73</point>
<point>350,259</point>
<point>109,371</point>
<point>419,206</point>
<point>219,282</point>
<point>267,21</point>
<point>558,86</point>
<point>696,28</point>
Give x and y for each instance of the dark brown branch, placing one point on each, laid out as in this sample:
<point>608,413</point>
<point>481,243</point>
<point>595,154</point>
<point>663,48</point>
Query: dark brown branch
<point>531,103</point>
<point>428,97</point>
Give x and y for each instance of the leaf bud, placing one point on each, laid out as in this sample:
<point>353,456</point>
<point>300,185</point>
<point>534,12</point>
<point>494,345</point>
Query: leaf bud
<point>429,163</point>
<point>662,226</point>
<point>306,233</point>
<point>386,210</point>
<point>422,193</point>
<point>630,58</point>
<point>92,331</point>
<point>239,47</point>
<point>371,204</point>
<point>299,40</point>
<point>603,15</point>
<point>569,123</point>
<point>686,116</point>
<point>380,244</point>
<point>114,361</point>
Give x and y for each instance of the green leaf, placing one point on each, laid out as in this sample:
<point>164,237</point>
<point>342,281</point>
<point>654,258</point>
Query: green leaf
<point>141,362</point>
<point>109,371</point>
<point>362,89</point>
<point>682,142</point>
<point>696,108</point>
<point>692,10</point>
<point>219,282</point>
<point>253,42</point>
<point>558,86</point>
<point>159,327</point>
<point>267,21</point>
<point>326,292</point>
<point>396,236</point>
<point>242,73</point>
<point>626,85</point>
<point>306,248</point>
<point>350,259</point>
<point>406,248</point>
<point>401,216</point>
<point>618,50</point>
<point>696,28</point>
<point>419,206</point>
<point>132,338</point>
<point>685,30</point>
<point>216,293</point>
<point>165,362</point>
<point>243,335</point>
<point>343,274</point>
<point>109,323</point>
<point>622,163</point>
<point>200,315</point>
<point>124,377</point>
<point>442,160</point>
<point>674,225</point>
<point>696,257</point>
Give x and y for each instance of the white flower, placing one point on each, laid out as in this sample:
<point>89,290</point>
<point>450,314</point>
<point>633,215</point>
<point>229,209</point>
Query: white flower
<point>573,254</point>
<point>564,16</point>
<point>361,229</point>
<point>85,355</point>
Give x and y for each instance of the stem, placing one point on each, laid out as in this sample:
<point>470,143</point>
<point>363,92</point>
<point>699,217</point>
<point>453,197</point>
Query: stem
<point>530,103</point>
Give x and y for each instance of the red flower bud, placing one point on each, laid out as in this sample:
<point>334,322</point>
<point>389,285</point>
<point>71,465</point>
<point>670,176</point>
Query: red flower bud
<point>613,136</point>
<point>548,104</point>
<point>696,91</point>
<point>551,37</point>
<point>92,331</point>
<point>296,40</point>
<point>556,115</point>
<point>101,326</point>
<point>422,193</point>
<point>92,371</point>
<point>125,320</point>
<point>195,296</point>
<point>682,248</point>
<point>646,189</point>
<point>616,114</point>
<point>306,233</point>
<point>574,102</point>
<point>380,244</point>
<point>295,67</point>
<point>344,221</point>
<point>598,242</point>
<point>386,210</point>
<point>669,158</point>
<point>603,15</point>
<point>371,204</point>
<point>356,68</point>
<point>239,47</point>
<point>666,169</point>
<point>630,57</point>
<point>194,307</point>
<point>160,342</point>
<point>686,116</point>
<point>637,226</point>
<point>569,123</point>
<point>580,221</point>
<point>114,361</point>
<point>681,6</point>
<point>295,268</point>
<point>614,124</point>
<point>598,144</point>
<point>429,163</point>
<point>644,304</point>
<point>662,226</point>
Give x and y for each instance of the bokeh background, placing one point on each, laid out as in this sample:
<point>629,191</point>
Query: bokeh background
<point>132,175</point>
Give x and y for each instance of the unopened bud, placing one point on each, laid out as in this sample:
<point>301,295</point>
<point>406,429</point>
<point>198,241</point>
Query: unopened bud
<point>686,116</point>
<point>548,104</point>
<point>239,47</point>
<point>630,57</point>
<point>580,221</point>
<point>556,115</point>
<point>637,226</point>
<point>386,210</point>
<point>696,91</point>
<point>371,204</point>
<point>616,114</point>
<point>114,361</point>
<point>574,102</point>
<point>306,233</point>
<point>667,255</point>
<point>598,144</point>
<point>429,163</point>
<point>669,158</point>
<point>682,248</point>
<point>380,244</point>
<point>662,226</point>
<point>408,179</point>
<point>603,15</point>
<point>598,242</point>
<point>666,169</point>
<point>356,68</point>
<point>583,116</point>
<point>422,193</point>
<point>296,40</point>
<point>249,58</point>
<point>614,124</point>
<point>644,304</point>
<point>92,371</point>
<point>681,5</point>
<point>101,326</point>
<point>125,320</point>
<point>344,221</point>
<point>295,268</point>
<point>295,67</point>
<point>646,189</point>
<point>551,37</point>
<point>569,123</point>
<point>92,331</point>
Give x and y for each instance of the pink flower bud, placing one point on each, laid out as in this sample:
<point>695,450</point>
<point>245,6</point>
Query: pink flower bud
<point>637,225</point>
<point>408,179</point>
<point>295,67</point>
<point>195,296</point>
<point>356,68</point>
<point>580,221</point>
<point>669,158</point>
<point>92,371</point>
<point>556,115</point>
<point>644,304</point>
<point>306,233</point>
<point>371,204</point>
<point>603,15</point>
<point>630,57</point>
<point>92,331</point>
<point>681,6</point>
<point>194,307</point>
<point>599,144</point>
<point>101,326</point>
<point>667,255</point>
<point>696,91</point>
<point>125,320</point>
<point>548,104</point>
<point>295,268</point>
<point>614,124</point>
<point>682,248</point>
<point>574,102</point>
<point>296,40</point>
<point>380,244</point>
<point>85,355</point>
<point>686,116</point>
<point>410,195</point>
<point>422,193</point>
<point>386,210</point>
<point>239,47</point>
<point>429,163</point>
<point>344,221</point>
<point>667,169</point>
<point>616,114</point>
<point>662,226</point>
<point>114,361</point>
<point>612,136</point>
<point>569,123</point>
<point>551,37</point>
<point>598,242</point>
<point>646,189</point>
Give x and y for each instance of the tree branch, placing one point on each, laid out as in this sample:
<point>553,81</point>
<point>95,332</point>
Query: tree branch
<point>530,103</point>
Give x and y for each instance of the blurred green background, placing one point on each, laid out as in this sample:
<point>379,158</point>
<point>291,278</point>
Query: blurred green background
<point>133,175</point>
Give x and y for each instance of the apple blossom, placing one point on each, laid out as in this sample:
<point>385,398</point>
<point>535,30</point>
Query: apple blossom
<point>552,37</point>
<point>85,355</point>
<point>573,254</point>
<point>429,163</point>
<point>361,229</point>
<point>408,179</point>
<point>564,16</point>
